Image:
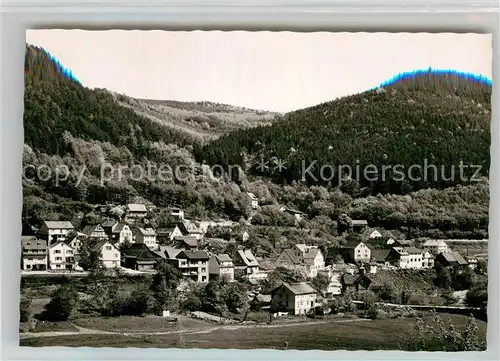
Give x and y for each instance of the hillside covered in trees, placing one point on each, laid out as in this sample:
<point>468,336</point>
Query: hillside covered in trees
<point>85,130</point>
<point>55,102</point>
<point>437,118</point>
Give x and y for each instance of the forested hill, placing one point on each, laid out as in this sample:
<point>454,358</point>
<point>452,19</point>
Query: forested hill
<point>443,118</point>
<point>55,103</point>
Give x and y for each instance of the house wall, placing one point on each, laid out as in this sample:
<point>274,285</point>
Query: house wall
<point>196,270</point>
<point>99,233</point>
<point>61,257</point>
<point>125,234</point>
<point>411,261</point>
<point>54,235</point>
<point>175,233</point>
<point>303,303</point>
<point>110,256</point>
<point>149,241</point>
<point>227,272</point>
<point>32,262</point>
<point>319,263</point>
<point>362,253</point>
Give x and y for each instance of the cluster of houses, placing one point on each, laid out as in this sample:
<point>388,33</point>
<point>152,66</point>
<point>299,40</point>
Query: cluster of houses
<point>130,244</point>
<point>360,260</point>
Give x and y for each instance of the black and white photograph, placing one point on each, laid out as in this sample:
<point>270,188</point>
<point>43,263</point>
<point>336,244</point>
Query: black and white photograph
<point>255,190</point>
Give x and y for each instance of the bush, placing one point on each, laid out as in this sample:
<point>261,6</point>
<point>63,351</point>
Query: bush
<point>25,309</point>
<point>139,302</point>
<point>477,296</point>
<point>64,300</point>
<point>375,312</point>
<point>441,337</point>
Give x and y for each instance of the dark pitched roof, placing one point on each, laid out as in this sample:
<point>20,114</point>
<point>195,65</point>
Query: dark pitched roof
<point>119,226</point>
<point>352,244</point>
<point>59,224</point>
<point>101,243</point>
<point>108,223</point>
<point>413,250</point>
<point>453,257</point>
<point>349,280</point>
<point>301,288</point>
<point>248,257</point>
<point>164,231</point>
<point>291,255</point>
<point>191,241</point>
<point>33,244</point>
<point>193,255</point>
<point>380,254</point>
<point>170,252</point>
<point>224,257</point>
<point>139,251</point>
<point>90,228</point>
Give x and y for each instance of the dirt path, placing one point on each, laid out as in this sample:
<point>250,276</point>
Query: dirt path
<point>88,331</point>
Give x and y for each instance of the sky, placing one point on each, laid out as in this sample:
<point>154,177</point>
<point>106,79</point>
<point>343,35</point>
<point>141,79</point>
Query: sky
<point>276,71</point>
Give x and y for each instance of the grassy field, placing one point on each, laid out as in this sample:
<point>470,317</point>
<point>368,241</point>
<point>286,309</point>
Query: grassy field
<point>140,324</point>
<point>386,334</point>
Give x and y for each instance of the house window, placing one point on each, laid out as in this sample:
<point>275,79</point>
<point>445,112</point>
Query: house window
<point>57,251</point>
<point>58,258</point>
<point>116,255</point>
<point>109,248</point>
<point>203,278</point>
<point>203,270</point>
<point>58,266</point>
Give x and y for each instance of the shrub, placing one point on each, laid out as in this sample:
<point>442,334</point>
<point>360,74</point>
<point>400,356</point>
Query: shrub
<point>477,296</point>
<point>64,300</point>
<point>25,309</point>
<point>441,337</point>
<point>139,302</point>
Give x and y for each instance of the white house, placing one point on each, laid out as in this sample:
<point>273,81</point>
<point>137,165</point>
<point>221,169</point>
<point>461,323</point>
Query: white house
<point>193,264</point>
<point>177,213</point>
<point>189,228</point>
<point>245,260</point>
<point>254,200</point>
<point>334,286</point>
<point>221,266</point>
<point>108,253</point>
<point>147,236</point>
<point>136,211</point>
<point>355,251</point>
<point>121,233</point>
<point>406,257</point>
<point>55,231</point>
<point>166,235</point>
<point>61,256</point>
<point>294,298</point>
<point>298,215</point>
<point>436,246</point>
<point>309,257</point>
<point>76,244</point>
<point>428,260</point>
<point>375,234</point>
<point>94,231</point>
<point>34,254</point>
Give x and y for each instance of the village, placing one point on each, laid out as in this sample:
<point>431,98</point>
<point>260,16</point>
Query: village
<point>132,245</point>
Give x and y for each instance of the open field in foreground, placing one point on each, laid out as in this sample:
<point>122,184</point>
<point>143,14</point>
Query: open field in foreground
<point>322,335</point>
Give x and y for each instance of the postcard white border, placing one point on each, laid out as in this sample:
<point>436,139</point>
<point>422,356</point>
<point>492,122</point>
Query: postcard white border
<point>386,16</point>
